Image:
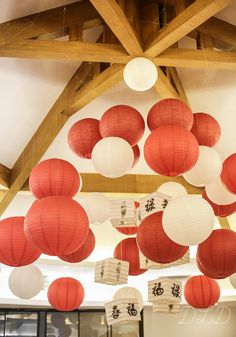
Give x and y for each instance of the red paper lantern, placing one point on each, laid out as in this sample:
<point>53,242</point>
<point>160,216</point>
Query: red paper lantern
<point>54,177</point>
<point>83,252</point>
<point>15,250</point>
<point>202,270</point>
<point>217,254</point>
<point>136,152</point>
<point>122,121</point>
<point>228,174</point>
<point>155,244</point>
<point>83,136</point>
<point>56,225</point>
<point>201,292</point>
<point>170,111</point>
<point>171,150</point>
<point>220,210</point>
<point>127,250</point>
<point>65,294</point>
<point>206,129</point>
<point>127,230</point>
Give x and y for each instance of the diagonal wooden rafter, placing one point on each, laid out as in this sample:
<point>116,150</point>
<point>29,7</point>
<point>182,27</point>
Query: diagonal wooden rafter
<point>5,175</point>
<point>182,24</point>
<point>116,19</point>
<point>164,87</point>
<point>178,84</point>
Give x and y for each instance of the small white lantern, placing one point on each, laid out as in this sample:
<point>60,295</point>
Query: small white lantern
<point>97,207</point>
<point>167,308</point>
<point>173,189</point>
<point>129,292</point>
<point>188,220</point>
<point>112,157</point>
<point>232,280</point>
<point>145,263</point>
<point>207,168</point>
<point>217,193</point>
<point>26,282</point>
<point>140,74</point>
<point>164,290</point>
<point>153,203</point>
<point>111,271</point>
<point>122,310</point>
<point>123,213</point>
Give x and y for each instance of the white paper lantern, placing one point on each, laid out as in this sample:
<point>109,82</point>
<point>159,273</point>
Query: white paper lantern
<point>129,292</point>
<point>217,193</point>
<point>140,74</point>
<point>26,282</point>
<point>188,220</point>
<point>232,279</point>
<point>112,157</point>
<point>207,168</point>
<point>173,189</point>
<point>97,207</point>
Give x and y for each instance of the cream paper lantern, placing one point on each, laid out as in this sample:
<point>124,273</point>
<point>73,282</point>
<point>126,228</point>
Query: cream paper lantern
<point>112,157</point>
<point>173,189</point>
<point>26,282</point>
<point>129,292</point>
<point>140,74</point>
<point>207,168</point>
<point>188,220</point>
<point>217,193</point>
<point>97,207</point>
<point>232,280</point>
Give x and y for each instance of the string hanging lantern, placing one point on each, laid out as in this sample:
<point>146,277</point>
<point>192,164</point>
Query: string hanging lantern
<point>228,174</point>
<point>218,193</point>
<point>15,249</point>
<point>171,150</point>
<point>54,177</point>
<point>97,207</point>
<point>220,210</point>
<point>83,136</point>
<point>124,122</point>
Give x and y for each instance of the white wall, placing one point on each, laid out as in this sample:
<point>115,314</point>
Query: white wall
<point>220,321</point>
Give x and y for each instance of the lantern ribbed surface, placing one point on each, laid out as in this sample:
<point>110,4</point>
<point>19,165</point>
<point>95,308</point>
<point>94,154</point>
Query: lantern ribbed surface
<point>15,249</point>
<point>206,129</point>
<point>136,152</point>
<point>127,230</point>
<point>124,122</point>
<point>54,177</point>
<point>155,244</point>
<point>170,111</point>
<point>83,252</point>
<point>127,250</point>
<point>56,225</point>
<point>171,150</point>
<point>228,174</point>
<point>201,292</point>
<point>83,136</point>
<point>220,210</point>
<point>217,254</point>
<point>65,294</point>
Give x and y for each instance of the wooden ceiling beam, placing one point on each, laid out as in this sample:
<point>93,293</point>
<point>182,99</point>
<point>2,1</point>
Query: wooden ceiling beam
<point>45,22</point>
<point>184,23</point>
<point>66,50</point>
<point>5,176</point>
<point>224,223</point>
<point>116,19</point>
<point>191,58</point>
<point>164,87</point>
<point>178,84</point>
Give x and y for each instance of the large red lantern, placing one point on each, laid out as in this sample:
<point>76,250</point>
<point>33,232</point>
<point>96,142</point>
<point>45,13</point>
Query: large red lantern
<point>136,152</point>
<point>65,294</point>
<point>15,249</point>
<point>83,252</point>
<point>201,292</point>
<point>171,150</point>
<point>206,129</point>
<point>127,250</point>
<point>155,244</point>
<point>127,230</point>
<point>228,174</point>
<point>216,255</point>
<point>220,210</point>
<point>83,136</point>
<point>122,121</point>
<point>170,111</point>
<point>56,225</point>
<point>54,177</point>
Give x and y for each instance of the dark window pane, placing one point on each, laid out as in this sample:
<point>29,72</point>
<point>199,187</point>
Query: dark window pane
<point>62,324</point>
<point>126,330</point>
<point>21,324</point>
<point>93,324</point>
<point>2,322</point>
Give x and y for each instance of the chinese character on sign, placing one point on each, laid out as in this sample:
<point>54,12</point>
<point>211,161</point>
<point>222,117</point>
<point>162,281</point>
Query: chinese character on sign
<point>123,209</point>
<point>115,312</point>
<point>150,205</point>
<point>170,307</point>
<point>175,290</point>
<point>131,310</point>
<point>157,290</point>
<point>118,271</point>
<point>102,270</point>
<point>164,203</point>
